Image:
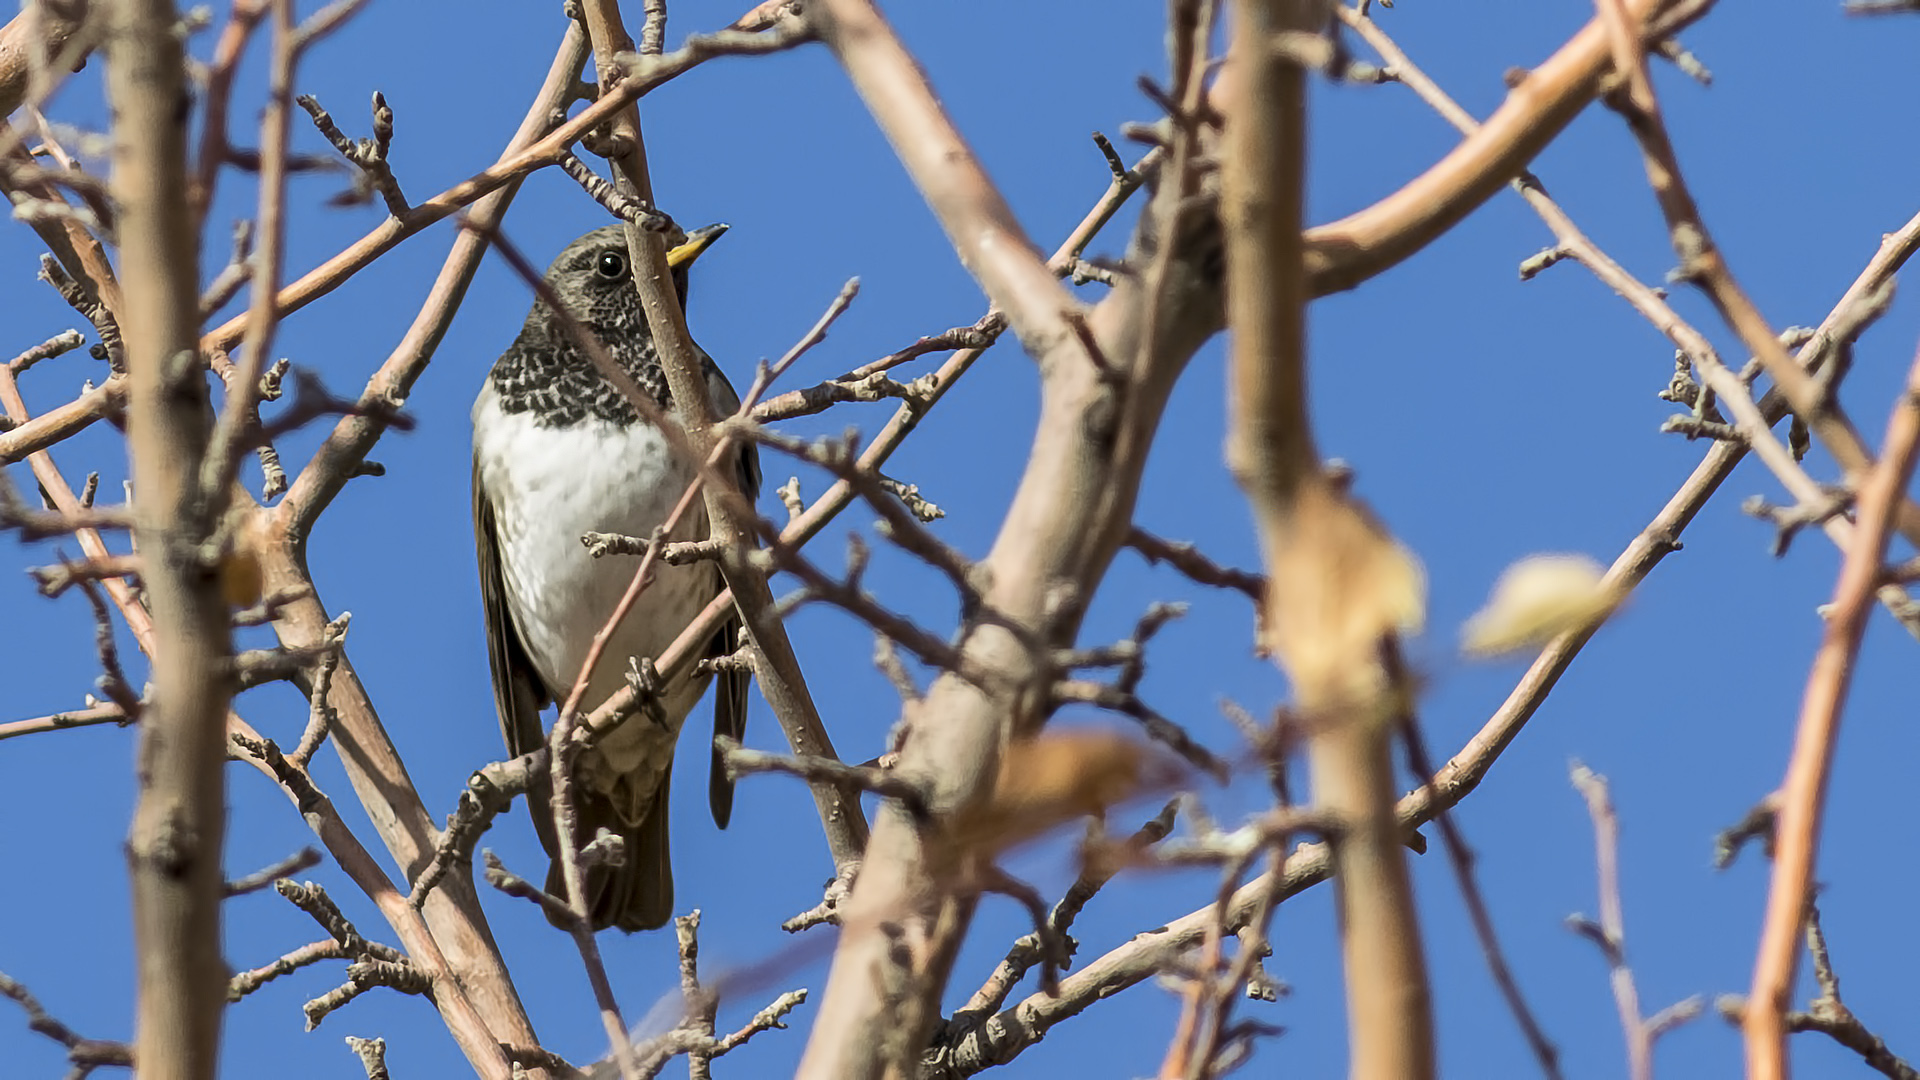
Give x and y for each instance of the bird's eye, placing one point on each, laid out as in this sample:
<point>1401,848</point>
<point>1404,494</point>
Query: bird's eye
<point>611,265</point>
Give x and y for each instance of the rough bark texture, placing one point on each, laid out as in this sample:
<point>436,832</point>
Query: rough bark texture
<point>173,852</point>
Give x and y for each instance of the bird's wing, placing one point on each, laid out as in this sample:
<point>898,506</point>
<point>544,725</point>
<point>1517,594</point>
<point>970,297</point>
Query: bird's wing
<point>517,692</point>
<point>730,696</point>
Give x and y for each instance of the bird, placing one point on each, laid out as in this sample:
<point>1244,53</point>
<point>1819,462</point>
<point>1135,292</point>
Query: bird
<point>558,451</point>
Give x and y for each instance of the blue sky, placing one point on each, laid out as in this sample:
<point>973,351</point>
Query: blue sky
<point>1487,418</point>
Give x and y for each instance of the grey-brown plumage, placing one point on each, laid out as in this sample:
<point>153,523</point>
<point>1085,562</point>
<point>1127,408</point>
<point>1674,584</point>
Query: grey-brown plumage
<point>559,452</point>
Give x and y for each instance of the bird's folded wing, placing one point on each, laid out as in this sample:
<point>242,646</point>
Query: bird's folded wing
<point>517,693</point>
<point>730,696</point>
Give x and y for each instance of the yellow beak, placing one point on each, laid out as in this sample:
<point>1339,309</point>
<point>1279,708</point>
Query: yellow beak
<point>698,241</point>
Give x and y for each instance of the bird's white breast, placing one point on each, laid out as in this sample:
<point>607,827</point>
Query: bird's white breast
<point>549,485</point>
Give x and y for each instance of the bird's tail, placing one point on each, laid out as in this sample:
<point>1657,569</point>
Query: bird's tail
<point>638,894</point>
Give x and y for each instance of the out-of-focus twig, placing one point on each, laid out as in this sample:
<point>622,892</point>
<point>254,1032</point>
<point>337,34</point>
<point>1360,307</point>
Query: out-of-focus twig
<point>1609,932</point>
<point>1803,794</point>
<point>1339,589</point>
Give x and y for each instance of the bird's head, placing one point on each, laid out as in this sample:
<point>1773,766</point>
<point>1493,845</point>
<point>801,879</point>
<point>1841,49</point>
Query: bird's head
<point>594,275</point>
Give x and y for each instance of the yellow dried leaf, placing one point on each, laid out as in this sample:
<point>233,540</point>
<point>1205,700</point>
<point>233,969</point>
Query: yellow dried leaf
<point>1057,777</point>
<point>1339,585</point>
<point>1537,599</point>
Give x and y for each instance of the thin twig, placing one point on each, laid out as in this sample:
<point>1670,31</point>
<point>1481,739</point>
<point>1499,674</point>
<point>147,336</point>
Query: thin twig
<point>1829,1016</point>
<point>85,1054</point>
<point>742,761</point>
<point>1610,932</point>
<point>303,859</point>
<point>1462,858</point>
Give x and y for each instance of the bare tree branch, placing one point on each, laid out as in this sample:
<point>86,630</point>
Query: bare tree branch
<point>1339,589</point>
<point>35,41</point>
<point>1610,932</point>
<point>1803,793</point>
<point>173,850</point>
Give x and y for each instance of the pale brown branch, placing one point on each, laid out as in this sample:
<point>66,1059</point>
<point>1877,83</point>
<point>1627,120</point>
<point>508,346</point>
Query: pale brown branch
<point>364,975</point>
<point>31,42</point>
<point>1204,1040</point>
<point>1100,861</point>
<point>693,1040</point>
<point>78,252</point>
<point>173,850</point>
<point>85,1054</point>
<point>1754,423</point>
<point>1609,933</point>
<point>1659,539</point>
<point>1016,1027</point>
<point>246,982</point>
<point>372,1054</point>
<point>232,277</point>
<point>898,522</point>
<point>980,225</point>
<point>303,859</point>
<point>822,396</point>
<point>240,413</point>
<point>539,1057</point>
<point>1338,587</point>
<point>31,436</point>
<point>218,95</point>
<point>781,681</point>
<point>700,1004</point>
<point>806,522</point>
<point>1830,1016</point>
<point>447,921</point>
<point>646,75</point>
<point>1702,264</point>
<point>56,579</point>
<point>369,156</point>
<point>88,302</point>
<point>765,14</point>
<point>458,1000</point>
<point>346,448</point>
<point>589,948</point>
<point>742,761</point>
<point>1344,253</point>
<point>64,342</point>
<point>106,713</point>
<point>1803,793</point>
<point>603,192</point>
<point>1060,532</point>
<point>1462,859</point>
<point>1188,560</point>
<point>321,715</point>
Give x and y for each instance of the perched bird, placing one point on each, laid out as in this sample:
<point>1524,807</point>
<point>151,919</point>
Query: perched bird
<point>558,452</point>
